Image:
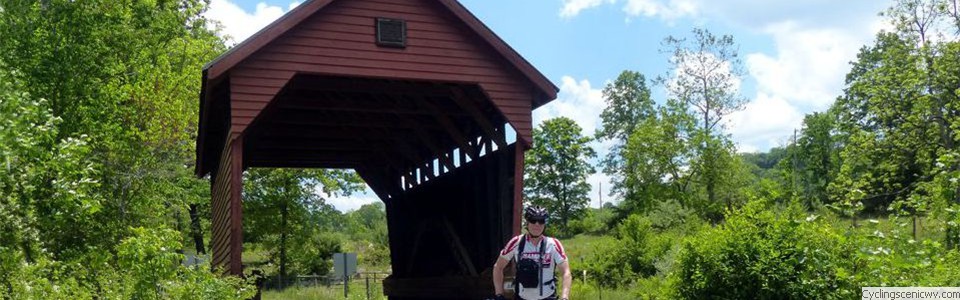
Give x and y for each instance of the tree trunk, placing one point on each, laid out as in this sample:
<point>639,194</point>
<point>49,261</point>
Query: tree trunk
<point>196,230</point>
<point>283,243</point>
<point>914,228</point>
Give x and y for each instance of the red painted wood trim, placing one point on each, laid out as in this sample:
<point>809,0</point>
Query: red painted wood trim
<point>518,186</point>
<point>236,206</point>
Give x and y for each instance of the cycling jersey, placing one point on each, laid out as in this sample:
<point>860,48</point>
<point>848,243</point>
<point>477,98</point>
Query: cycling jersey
<point>553,255</point>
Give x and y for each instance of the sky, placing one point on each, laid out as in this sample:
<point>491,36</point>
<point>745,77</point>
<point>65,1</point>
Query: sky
<point>795,54</point>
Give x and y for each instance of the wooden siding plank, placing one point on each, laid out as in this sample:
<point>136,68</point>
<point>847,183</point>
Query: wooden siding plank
<point>370,46</point>
<point>338,9</point>
<point>412,65</point>
<point>256,81</point>
<point>327,52</point>
<point>382,71</point>
<point>366,22</point>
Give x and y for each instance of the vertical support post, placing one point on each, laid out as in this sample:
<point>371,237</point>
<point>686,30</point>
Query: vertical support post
<point>236,206</point>
<point>346,278</point>
<point>518,185</point>
<point>226,208</point>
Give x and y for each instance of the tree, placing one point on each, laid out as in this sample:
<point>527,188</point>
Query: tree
<point>897,118</point>
<point>706,77</point>
<point>628,105</point>
<point>98,111</point>
<point>123,75</point>
<point>291,195</point>
<point>655,160</point>
<point>557,168</point>
<point>812,162</point>
<point>367,228</point>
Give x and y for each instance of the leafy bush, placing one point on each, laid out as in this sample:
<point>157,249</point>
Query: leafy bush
<point>315,255</point>
<point>760,254</point>
<point>638,252</point>
<point>594,222</point>
<point>146,267</point>
<point>893,258</point>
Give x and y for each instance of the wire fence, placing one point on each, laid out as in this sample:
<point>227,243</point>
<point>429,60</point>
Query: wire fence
<point>363,285</point>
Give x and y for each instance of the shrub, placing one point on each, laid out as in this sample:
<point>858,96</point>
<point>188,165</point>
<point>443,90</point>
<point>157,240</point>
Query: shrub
<point>638,252</point>
<point>315,255</point>
<point>146,266</point>
<point>758,254</point>
<point>893,258</point>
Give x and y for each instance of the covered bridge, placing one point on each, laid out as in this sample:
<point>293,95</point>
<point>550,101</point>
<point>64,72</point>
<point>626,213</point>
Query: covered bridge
<point>417,96</point>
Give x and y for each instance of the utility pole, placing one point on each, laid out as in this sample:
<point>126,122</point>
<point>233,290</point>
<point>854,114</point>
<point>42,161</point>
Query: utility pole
<point>794,158</point>
<point>600,194</point>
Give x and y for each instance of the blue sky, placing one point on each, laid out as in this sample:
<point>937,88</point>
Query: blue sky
<point>795,53</point>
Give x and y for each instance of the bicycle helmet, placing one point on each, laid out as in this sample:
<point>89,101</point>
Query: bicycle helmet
<point>535,213</point>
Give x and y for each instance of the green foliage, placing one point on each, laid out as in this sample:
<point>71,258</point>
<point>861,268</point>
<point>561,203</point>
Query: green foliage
<point>299,242</point>
<point>759,254</point>
<point>556,170</point>
<point>640,253</point>
<point>97,118</point>
<point>704,79</point>
<point>312,254</point>
<point>146,268</point>
<point>147,255</point>
<point>628,105</point>
<point>656,156</point>
<point>678,151</point>
<point>706,71</point>
<point>894,258</point>
<point>594,221</point>
<point>766,160</point>
<point>722,178</point>
<point>812,163</point>
<point>153,271</point>
<point>367,228</point>
<point>116,77</point>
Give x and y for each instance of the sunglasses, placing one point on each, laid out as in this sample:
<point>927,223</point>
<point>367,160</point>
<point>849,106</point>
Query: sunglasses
<point>537,221</point>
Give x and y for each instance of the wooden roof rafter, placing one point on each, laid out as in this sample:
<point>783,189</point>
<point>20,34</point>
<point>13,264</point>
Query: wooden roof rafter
<point>461,98</point>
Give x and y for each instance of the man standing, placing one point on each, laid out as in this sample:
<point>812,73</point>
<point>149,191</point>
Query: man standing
<point>536,256</point>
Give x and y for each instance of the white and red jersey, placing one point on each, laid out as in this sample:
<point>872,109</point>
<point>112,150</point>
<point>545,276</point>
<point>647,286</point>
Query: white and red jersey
<point>553,255</point>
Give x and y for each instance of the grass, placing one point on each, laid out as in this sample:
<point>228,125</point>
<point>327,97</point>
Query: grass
<point>577,247</point>
<point>581,245</point>
<point>357,291</point>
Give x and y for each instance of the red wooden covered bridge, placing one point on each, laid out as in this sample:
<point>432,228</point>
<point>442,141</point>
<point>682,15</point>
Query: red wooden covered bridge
<point>417,96</point>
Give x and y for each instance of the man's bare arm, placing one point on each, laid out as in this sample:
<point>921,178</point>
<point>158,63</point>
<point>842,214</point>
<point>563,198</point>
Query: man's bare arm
<point>567,280</point>
<point>498,275</point>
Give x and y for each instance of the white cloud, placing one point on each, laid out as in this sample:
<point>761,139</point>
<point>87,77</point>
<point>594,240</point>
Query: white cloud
<point>813,40</point>
<point>669,11</point>
<point>578,101</point>
<point>354,202</point>
<point>809,66</point>
<point>583,103</point>
<point>572,8</point>
<point>763,122</point>
<point>805,73</point>
<point>239,24</point>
